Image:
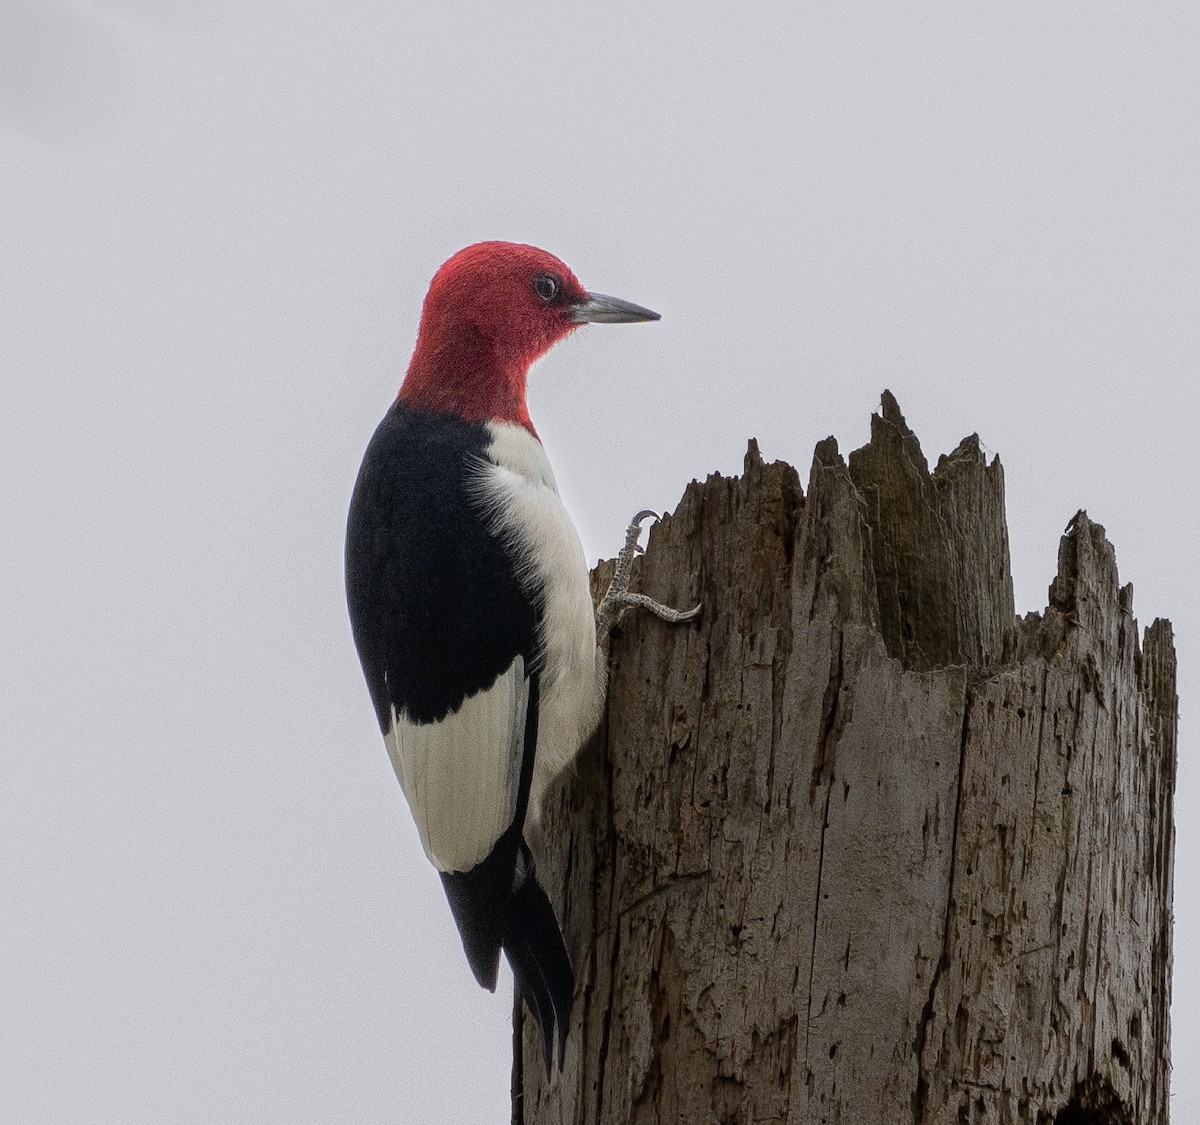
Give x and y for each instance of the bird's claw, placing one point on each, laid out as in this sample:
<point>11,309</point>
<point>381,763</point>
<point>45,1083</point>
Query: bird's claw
<point>633,533</point>
<point>619,596</point>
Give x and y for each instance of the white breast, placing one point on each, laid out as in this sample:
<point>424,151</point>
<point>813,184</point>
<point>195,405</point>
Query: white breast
<point>519,493</point>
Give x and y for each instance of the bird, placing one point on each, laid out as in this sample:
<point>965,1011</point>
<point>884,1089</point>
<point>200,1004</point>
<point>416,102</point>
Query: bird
<point>470,604</point>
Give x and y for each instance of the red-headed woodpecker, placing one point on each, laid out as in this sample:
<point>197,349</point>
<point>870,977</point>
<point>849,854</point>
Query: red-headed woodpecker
<point>469,601</point>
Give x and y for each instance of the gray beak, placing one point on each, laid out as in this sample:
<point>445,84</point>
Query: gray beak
<point>599,309</point>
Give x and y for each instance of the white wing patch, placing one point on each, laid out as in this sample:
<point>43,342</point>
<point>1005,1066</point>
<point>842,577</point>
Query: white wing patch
<point>461,774</point>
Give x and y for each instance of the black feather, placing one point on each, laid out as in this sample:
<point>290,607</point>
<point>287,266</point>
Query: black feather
<point>435,604</point>
<point>533,944</point>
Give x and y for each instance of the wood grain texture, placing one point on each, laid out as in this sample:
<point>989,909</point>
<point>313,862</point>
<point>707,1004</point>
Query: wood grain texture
<point>861,846</point>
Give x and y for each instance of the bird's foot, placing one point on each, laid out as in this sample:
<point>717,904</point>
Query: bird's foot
<point>619,595</point>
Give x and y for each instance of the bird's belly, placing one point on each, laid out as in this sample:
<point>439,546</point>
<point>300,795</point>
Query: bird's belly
<point>521,497</point>
<point>572,690</point>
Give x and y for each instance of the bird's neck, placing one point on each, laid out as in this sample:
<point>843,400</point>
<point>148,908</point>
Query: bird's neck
<point>462,374</point>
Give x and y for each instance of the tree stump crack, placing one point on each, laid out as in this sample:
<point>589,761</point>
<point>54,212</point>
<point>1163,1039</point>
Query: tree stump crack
<point>673,883</point>
<point>921,1091</point>
<point>823,774</point>
<point>613,929</point>
<point>830,720</point>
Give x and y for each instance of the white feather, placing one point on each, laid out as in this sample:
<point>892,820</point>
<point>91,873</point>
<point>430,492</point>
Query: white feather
<point>460,775</point>
<point>517,489</point>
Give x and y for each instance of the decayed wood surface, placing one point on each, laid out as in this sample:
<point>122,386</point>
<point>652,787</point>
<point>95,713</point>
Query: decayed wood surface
<point>861,846</point>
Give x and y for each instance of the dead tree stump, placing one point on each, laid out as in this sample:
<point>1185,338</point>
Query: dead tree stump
<point>863,847</point>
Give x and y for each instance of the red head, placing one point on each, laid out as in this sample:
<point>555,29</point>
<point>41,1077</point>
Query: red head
<point>491,310</point>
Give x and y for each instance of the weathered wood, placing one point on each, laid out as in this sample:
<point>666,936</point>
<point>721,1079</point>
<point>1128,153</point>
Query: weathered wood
<point>861,846</point>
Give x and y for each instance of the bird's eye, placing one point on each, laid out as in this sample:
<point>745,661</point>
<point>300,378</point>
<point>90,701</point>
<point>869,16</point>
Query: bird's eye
<point>547,287</point>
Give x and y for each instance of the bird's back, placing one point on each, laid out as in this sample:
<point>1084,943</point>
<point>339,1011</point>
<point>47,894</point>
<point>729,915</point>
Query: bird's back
<point>435,603</point>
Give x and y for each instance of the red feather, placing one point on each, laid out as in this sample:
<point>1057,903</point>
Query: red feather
<point>482,326</point>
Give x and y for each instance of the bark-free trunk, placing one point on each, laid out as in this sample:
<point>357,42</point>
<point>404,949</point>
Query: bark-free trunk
<point>862,846</point>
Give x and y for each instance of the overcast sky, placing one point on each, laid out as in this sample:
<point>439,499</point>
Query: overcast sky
<point>219,220</point>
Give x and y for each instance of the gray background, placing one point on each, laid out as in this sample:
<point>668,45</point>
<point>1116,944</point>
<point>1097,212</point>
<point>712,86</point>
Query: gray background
<point>219,220</point>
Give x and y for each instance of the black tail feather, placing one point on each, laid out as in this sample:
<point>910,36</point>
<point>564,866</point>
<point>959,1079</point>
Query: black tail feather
<point>534,946</point>
<point>479,901</point>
